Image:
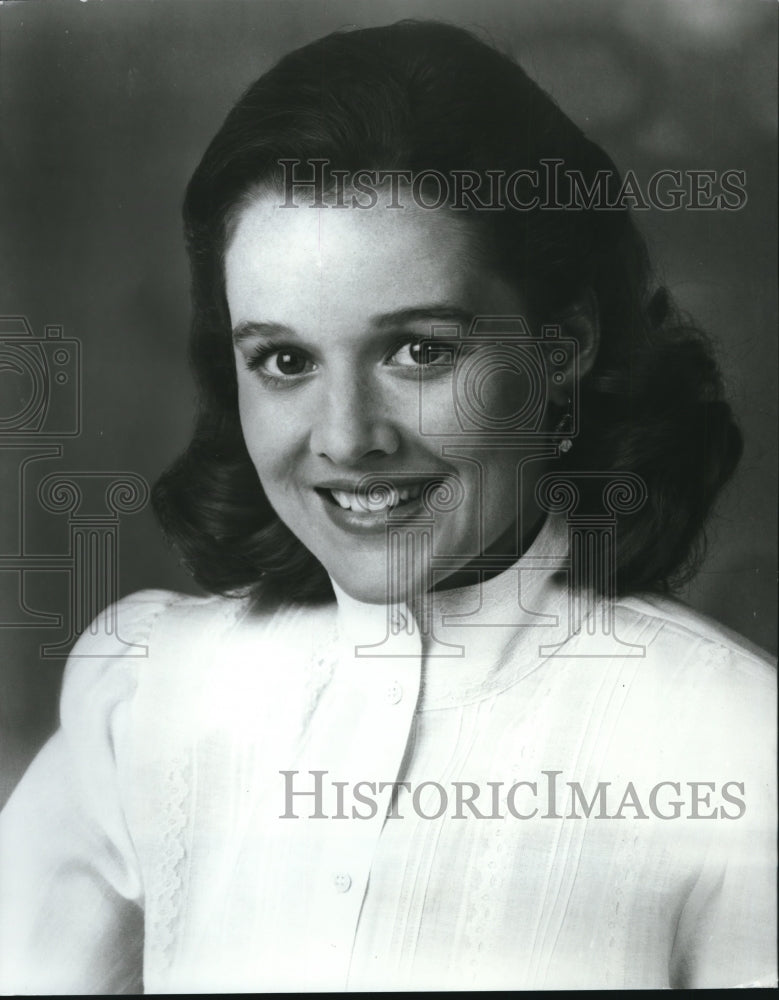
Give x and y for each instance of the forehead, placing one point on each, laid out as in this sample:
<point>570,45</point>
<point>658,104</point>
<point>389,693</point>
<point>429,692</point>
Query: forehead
<point>335,261</point>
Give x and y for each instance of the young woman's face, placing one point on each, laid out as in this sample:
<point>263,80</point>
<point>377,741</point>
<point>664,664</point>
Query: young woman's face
<point>328,307</point>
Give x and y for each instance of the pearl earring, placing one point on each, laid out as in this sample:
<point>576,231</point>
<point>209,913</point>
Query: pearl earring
<point>565,427</point>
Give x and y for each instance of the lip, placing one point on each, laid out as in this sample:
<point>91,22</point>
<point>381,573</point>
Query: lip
<point>373,523</point>
<point>399,482</point>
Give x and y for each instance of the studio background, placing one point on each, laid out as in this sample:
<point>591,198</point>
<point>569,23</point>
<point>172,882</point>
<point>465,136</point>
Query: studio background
<point>105,109</point>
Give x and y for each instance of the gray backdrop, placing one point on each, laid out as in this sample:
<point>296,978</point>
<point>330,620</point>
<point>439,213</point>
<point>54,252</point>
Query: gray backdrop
<point>106,108</point>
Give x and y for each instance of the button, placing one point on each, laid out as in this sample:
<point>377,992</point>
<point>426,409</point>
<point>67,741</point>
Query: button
<point>342,882</point>
<point>394,693</point>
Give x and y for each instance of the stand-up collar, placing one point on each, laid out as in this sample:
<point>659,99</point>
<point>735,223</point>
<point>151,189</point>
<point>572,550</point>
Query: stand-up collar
<point>475,639</point>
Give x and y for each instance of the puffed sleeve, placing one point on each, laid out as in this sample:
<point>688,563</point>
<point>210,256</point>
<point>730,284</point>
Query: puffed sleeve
<point>726,934</point>
<point>71,896</point>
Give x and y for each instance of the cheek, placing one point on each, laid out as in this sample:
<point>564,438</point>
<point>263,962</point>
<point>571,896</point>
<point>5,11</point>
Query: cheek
<point>434,412</point>
<point>510,480</point>
<point>494,397</point>
<point>268,437</point>
<point>510,395</point>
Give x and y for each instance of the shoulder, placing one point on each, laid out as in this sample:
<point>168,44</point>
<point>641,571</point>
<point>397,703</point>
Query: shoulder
<point>702,684</point>
<point>128,627</point>
<point>131,620</point>
<point>673,628</point>
<point>179,672</point>
<point>103,664</point>
<point>163,642</point>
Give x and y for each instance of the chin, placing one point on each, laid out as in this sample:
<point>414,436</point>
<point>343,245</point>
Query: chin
<point>368,589</point>
<point>369,582</point>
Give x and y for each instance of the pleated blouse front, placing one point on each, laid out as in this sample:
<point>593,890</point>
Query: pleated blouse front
<point>357,797</point>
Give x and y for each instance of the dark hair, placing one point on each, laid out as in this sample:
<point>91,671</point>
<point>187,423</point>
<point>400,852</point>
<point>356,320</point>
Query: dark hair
<point>415,96</point>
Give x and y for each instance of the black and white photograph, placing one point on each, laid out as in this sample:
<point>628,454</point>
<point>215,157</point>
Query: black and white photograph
<point>388,406</point>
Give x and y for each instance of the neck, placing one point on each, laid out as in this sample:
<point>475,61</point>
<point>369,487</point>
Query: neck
<point>495,559</point>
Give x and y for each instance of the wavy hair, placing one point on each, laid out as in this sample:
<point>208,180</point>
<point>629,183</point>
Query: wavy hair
<point>417,96</point>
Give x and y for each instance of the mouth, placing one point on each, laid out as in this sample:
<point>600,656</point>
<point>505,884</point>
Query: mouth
<point>372,501</point>
<point>371,508</point>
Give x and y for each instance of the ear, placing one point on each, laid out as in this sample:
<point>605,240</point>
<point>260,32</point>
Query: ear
<point>579,322</point>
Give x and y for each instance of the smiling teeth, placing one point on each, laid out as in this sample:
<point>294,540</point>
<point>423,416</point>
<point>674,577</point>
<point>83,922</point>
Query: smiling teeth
<point>384,501</point>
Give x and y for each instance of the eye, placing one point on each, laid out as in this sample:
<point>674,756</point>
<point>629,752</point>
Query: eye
<point>280,363</point>
<point>423,354</point>
<point>287,363</point>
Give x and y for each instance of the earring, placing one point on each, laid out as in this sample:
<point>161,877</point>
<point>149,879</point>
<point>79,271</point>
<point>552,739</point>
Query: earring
<point>565,428</point>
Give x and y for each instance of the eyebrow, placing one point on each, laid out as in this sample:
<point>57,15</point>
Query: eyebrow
<point>248,328</point>
<point>400,317</point>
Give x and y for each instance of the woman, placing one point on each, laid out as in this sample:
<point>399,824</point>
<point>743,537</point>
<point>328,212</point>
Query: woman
<point>439,727</point>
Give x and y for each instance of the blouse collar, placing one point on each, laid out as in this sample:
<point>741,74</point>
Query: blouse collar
<point>477,638</point>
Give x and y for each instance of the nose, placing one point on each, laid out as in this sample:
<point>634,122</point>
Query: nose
<point>352,422</point>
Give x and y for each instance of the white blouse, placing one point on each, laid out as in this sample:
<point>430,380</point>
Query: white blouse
<point>340,798</point>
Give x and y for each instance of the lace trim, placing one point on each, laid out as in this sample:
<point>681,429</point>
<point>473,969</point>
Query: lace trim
<point>320,674</point>
<point>492,867</point>
<point>168,880</point>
